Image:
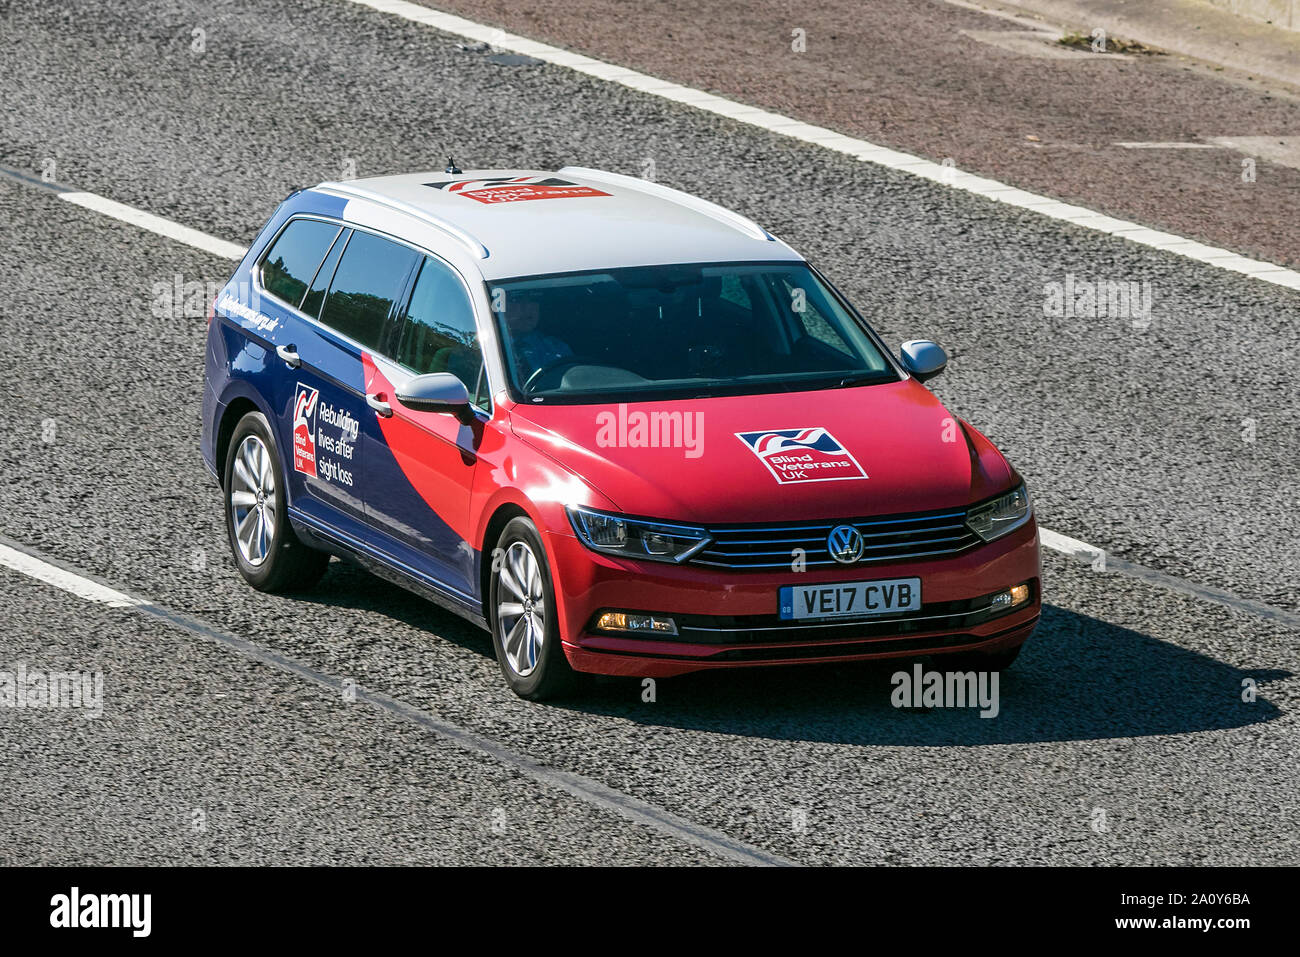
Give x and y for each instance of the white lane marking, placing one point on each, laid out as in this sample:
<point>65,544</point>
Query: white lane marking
<point>585,789</point>
<point>859,149</point>
<point>1038,22</point>
<point>66,580</point>
<point>89,590</point>
<point>1170,146</point>
<point>156,224</point>
<point>1282,150</point>
<point>1102,562</point>
<point>1039,44</point>
<point>1068,546</point>
<point>93,591</point>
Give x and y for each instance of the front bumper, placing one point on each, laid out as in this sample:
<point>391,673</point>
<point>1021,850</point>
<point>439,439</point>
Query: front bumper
<point>728,619</point>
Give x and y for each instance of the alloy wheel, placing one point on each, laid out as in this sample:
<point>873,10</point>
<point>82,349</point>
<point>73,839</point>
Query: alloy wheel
<point>253,500</point>
<point>521,608</point>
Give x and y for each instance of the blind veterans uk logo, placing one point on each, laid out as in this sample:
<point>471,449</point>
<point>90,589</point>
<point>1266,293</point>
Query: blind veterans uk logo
<point>304,429</point>
<point>803,455</point>
<point>513,189</point>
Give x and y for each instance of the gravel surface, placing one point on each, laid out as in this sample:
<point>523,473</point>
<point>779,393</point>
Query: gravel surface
<point>909,74</point>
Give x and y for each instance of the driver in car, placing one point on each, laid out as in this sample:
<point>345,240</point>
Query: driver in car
<point>531,348</point>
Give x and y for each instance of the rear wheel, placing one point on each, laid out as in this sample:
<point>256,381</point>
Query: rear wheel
<point>521,605</point>
<point>268,554</point>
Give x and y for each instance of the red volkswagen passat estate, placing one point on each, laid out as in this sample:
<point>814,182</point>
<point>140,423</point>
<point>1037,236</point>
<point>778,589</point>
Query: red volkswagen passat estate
<point>625,430</point>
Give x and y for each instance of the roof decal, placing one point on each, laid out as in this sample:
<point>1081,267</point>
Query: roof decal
<point>516,188</point>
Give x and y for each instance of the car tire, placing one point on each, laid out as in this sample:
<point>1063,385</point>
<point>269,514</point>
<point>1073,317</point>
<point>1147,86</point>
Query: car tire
<point>522,615</point>
<point>267,552</point>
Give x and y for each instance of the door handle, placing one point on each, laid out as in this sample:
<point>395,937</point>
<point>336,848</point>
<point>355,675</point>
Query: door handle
<point>291,358</point>
<point>381,407</point>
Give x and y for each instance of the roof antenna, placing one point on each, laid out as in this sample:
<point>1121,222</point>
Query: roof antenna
<point>452,167</point>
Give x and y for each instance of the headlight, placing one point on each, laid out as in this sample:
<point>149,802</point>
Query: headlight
<point>1003,514</point>
<point>635,537</point>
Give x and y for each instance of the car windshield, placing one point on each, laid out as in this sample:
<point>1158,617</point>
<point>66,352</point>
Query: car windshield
<point>680,331</point>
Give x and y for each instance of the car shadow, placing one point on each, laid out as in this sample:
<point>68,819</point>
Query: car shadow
<point>348,585</point>
<point>1078,678</point>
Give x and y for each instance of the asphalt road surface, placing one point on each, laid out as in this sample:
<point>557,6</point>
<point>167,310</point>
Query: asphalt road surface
<point>1123,735</point>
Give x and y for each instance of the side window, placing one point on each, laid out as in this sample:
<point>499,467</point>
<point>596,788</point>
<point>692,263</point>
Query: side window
<point>316,295</point>
<point>439,334</point>
<point>290,263</point>
<point>369,277</point>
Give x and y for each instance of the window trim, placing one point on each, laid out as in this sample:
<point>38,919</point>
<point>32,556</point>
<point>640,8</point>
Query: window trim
<point>402,288</point>
<point>261,290</point>
<point>261,259</point>
<point>408,294</point>
<point>852,310</point>
<point>345,239</point>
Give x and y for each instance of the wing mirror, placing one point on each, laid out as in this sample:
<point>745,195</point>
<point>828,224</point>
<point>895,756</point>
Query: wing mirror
<point>436,392</point>
<point>923,359</point>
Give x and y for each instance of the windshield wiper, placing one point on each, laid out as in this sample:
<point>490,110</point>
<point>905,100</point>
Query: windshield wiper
<point>868,378</point>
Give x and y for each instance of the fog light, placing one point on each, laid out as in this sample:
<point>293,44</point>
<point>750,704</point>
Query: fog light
<point>636,623</point>
<point>1011,598</point>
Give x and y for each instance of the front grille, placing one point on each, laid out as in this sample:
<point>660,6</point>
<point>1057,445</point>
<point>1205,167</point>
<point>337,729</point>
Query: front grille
<point>792,653</point>
<point>888,539</point>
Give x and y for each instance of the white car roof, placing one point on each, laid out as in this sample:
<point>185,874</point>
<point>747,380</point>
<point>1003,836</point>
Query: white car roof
<point>530,222</point>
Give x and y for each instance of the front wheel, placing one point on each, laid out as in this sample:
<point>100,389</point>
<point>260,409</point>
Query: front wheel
<point>521,604</point>
<point>268,553</point>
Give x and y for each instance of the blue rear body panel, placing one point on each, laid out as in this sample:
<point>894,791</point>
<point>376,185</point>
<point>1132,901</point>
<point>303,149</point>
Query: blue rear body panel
<point>333,454</point>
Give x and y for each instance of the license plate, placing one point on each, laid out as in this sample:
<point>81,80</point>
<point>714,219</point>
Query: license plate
<point>851,599</point>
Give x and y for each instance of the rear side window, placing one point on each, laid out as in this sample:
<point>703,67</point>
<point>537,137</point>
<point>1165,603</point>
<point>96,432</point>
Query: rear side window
<point>316,295</point>
<point>292,260</point>
<point>439,334</point>
<point>370,276</point>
